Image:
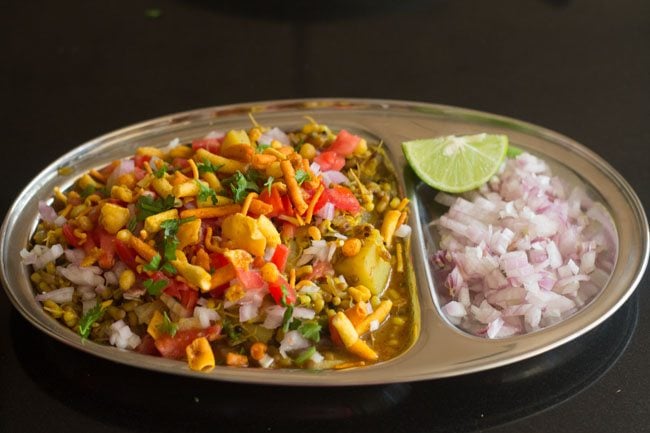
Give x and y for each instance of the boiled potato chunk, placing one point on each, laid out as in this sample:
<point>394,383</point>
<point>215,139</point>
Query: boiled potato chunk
<point>370,267</point>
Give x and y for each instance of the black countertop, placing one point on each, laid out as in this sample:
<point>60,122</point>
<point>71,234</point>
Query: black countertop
<point>74,70</point>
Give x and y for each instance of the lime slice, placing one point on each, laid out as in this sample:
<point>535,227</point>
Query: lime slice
<point>456,163</point>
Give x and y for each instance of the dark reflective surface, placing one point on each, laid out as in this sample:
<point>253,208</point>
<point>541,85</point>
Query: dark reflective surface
<point>463,403</point>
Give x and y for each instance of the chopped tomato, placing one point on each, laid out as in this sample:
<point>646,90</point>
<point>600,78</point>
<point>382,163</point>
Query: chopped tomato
<point>107,247</point>
<point>189,298</point>
<point>281,287</point>
<point>139,160</point>
<point>274,199</point>
<point>125,253</point>
<point>287,206</point>
<point>280,255</point>
<point>218,260</point>
<point>181,291</point>
<point>250,279</point>
<point>139,173</point>
<point>345,143</point>
<point>180,163</point>
<point>210,144</point>
<point>174,347</point>
<point>341,197</point>
<point>69,235</point>
<point>329,160</point>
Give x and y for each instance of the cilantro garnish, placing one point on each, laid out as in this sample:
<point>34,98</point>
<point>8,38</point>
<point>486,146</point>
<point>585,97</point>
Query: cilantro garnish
<point>154,288</point>
<point>262,147</point>
<point>305,355</point>
<point>302,176</point>
<point>208,167</point>
<point>287,318</point>
<point>269,183</point>
<point>153,264</point>
<point>170,241</point>
<point>167,326</point>
<point>310,330</point>
<point>206,193</point>
<point>241,184</point>
<point>160,171</point>
<point>169,268</point>
<point>86,322</point>
<point>147,205</point>
<point>132,224</point>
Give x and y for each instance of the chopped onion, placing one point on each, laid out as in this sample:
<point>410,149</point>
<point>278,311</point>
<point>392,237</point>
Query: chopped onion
<point>403,231</point>
<point>205,316</point>
<point>274,134</point>
<point>47,212</point>
<point>517,254</point>
<point>293,340</point>
<point>60,296</point>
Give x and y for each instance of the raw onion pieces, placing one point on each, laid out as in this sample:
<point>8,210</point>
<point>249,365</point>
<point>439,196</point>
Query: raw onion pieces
<point>521,254</point>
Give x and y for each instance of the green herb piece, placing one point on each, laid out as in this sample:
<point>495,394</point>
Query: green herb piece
<point>302,176</point>
<point>167,326</point>
<point>160,171</point>
<point>269,183</point>
<point>305,355</point>
<point>91,316</point>
<point>147,206</point>
<point>132,224</point>
<point>262,147</point>
<point>89,190</point>
<point>287,318</point>
<point>208,167</point>
<point>310,330</point>
<point>170,241</point>
<point>235,333</point>
<point>206,193</point>
<point>169,268</point>
<point>285,293</point>
<point>240,185</point>
<point>171,225</point>
<point>154,288</point>
<point>153,264</point>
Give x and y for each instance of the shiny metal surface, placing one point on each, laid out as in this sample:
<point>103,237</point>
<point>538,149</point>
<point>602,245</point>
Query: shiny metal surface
<point>439,349</point>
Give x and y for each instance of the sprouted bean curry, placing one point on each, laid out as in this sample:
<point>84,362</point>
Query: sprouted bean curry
<point>259,248</point>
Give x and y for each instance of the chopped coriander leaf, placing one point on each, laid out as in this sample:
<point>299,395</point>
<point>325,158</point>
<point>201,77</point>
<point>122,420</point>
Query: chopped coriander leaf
<point>89,190</point>
<point>208,167</point>
<point>153,264</point>
<point>302,176</point>
<point>169,268</point>
<point>86,322</point>
<point>167,326</point>
<point>206,193</point>
<point>262,147</point>
<point>287,318</point>
<point>171,225</point>
<point>269,183</point>
<point>132,224</point>
<point>305,355</point>
<point>154,288</point>
<point>240,184</point>
<point>169,245</point>
<point>310,330</point>
<point>285,293</point>
<point>160,171</point>
<point>147,205</point>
